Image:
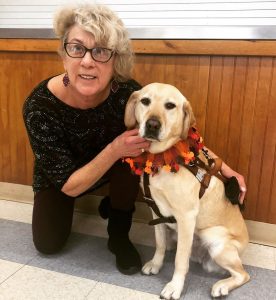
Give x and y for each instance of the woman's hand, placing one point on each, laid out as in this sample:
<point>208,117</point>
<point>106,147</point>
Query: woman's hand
<point>130,144</point>
<point>228,172</point>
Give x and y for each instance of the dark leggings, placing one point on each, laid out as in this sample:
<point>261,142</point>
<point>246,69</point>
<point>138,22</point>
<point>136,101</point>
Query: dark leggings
<point>53,210</point>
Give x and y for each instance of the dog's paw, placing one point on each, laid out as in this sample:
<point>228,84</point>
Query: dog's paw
<point>171,291</point>
<point>151,268</point>
<point>220,289</point>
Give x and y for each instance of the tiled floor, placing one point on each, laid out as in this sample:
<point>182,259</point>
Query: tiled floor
<point>26,274</point>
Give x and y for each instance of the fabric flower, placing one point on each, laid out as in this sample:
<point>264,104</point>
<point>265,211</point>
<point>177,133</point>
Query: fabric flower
<point>182,153</point>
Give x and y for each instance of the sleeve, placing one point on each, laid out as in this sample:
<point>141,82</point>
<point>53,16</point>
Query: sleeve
<point>50,146</point>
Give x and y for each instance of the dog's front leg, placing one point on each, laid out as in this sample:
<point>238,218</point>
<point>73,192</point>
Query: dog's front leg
<point>185,230</point>
<point>155,264</point>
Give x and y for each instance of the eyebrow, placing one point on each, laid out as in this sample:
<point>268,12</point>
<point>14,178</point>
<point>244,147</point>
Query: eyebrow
<point>76,40</point>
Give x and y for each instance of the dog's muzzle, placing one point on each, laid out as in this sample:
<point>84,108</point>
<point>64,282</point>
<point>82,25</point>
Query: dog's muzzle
<point>152,128</point>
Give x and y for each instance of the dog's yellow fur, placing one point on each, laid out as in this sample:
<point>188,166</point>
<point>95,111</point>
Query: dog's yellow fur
<point>211,227</point>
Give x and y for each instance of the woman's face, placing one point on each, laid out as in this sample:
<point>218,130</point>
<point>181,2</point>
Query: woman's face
<point>89,79</point>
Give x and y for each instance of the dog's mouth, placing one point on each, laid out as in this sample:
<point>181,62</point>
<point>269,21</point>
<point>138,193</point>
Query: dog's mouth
<point>151,138</point>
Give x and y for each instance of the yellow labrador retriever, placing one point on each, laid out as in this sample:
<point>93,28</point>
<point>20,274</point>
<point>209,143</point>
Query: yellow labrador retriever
<point>211,227</point>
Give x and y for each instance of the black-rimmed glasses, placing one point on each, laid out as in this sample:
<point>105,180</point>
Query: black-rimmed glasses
<point>99,54</point>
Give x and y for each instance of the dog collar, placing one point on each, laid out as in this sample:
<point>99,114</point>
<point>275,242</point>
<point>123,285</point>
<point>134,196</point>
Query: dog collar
<point>182,153</point>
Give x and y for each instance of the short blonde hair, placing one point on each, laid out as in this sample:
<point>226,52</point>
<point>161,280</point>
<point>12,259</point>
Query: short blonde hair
<point>107,29</point>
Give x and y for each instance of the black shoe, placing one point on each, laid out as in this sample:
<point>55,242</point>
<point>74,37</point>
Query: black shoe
<point>128,260</point>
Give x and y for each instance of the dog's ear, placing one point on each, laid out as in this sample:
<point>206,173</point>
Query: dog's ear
<point>188,121</point>
<point>130,120</point>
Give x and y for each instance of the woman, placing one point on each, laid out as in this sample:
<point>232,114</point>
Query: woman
<point>75,123</point>
<point>76,129</point>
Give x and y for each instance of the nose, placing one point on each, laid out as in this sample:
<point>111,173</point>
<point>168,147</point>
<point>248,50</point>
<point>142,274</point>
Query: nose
<point>153,124</point>
<point>87,60</point>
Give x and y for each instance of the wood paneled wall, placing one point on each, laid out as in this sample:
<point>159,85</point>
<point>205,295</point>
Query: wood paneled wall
<point>233,97</point>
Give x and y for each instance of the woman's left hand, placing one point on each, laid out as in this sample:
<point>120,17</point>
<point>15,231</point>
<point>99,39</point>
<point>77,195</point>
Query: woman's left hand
<point>228,172</point>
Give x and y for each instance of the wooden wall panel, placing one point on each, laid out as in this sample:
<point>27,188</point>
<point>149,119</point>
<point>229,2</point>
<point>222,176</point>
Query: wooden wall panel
<point>258,146</point>
<point>271,137</point>
<point>235,117</point>
<point>213,103</point>
<point>19,75</point>
<point>225,105</point>
<point>267,110</point>
<point>233,98</point>
<point>248,108</point>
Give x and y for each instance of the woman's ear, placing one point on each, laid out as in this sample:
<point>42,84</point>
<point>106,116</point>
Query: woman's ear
<point>188,119</point>
<point>130,120</point>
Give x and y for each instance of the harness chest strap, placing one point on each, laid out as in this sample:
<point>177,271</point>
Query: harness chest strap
<point>151,203</point>
<point>203,177</point>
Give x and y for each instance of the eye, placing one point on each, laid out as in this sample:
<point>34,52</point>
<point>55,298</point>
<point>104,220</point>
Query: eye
<point>99,51</point>
<point>145,101</point>
<point>169,105</point>
<point>77,48</point>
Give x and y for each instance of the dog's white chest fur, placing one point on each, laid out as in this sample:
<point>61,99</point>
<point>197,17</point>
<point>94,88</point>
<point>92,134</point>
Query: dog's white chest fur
<point>169,190</point>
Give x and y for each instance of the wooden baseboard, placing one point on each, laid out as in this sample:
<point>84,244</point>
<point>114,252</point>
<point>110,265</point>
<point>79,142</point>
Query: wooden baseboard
<point>262,233</point>
<point>16,192</point>
<point>259,233</point>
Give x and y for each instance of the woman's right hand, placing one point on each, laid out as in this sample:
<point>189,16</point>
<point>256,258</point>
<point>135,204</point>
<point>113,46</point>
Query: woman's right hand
<point>129,144</point>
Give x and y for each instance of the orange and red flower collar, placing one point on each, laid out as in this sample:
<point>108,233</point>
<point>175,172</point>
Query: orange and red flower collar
<point>182,153</point>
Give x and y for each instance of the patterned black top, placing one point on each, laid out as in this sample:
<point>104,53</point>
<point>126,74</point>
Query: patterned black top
<point>64,138</point>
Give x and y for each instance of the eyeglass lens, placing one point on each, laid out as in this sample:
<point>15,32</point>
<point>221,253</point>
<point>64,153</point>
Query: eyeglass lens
<point>78,51</point>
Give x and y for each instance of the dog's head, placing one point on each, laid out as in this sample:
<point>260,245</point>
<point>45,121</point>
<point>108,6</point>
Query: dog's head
<point>162,114</point>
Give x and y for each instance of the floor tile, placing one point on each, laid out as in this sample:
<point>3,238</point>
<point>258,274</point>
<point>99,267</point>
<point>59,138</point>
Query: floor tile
<point>103,291</point>
<point>16,242</point>
<point>275,256</point>
<point>86,257</point>
<point>261,285</point>
<point>33,283</point>
<point>85,269</point>
<point>259,256</point>
<point>8,268</point>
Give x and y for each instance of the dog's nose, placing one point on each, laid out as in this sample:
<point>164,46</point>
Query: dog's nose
<point>153,124</point>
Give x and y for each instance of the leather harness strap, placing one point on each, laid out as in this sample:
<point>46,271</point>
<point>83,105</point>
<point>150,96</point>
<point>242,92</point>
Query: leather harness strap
<point>151,203</point>
<point>200,170</point>
<point>204,172</point>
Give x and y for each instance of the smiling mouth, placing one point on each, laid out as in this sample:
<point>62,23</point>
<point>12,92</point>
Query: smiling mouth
<point>87,77</point>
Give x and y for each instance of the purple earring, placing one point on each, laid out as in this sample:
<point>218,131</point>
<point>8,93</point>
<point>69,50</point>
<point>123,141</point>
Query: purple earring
<point>65,80</point>
<point>114,86</point>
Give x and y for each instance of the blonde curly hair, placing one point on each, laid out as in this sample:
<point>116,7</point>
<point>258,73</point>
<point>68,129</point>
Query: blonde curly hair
<point>108,31</point>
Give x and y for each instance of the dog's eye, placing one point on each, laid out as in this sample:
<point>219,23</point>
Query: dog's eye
<point>145,101</point>
<point>169,105</point>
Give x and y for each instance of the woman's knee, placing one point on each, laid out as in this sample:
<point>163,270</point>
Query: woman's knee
<point>49,243</point>
<point>52,220</point>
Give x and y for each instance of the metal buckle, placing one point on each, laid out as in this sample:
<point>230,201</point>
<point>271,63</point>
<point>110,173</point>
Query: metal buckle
<point>200,174</point>
<point>147,198</point>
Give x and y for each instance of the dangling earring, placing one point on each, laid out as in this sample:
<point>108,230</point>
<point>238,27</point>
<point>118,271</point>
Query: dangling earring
<point>114,86</point>
<point>66,80</point>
